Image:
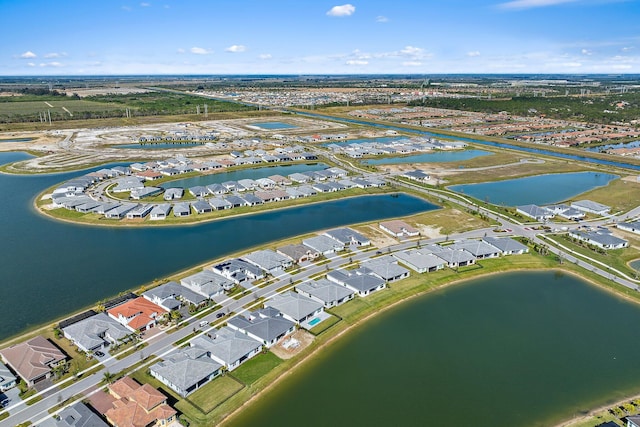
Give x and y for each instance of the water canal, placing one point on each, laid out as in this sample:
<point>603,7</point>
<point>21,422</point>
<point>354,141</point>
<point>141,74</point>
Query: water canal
<point>539,189</point>
<point>51,268</point>
<point>517,349</point>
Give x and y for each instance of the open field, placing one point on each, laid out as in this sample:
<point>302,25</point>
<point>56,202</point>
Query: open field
<point>622,195</point>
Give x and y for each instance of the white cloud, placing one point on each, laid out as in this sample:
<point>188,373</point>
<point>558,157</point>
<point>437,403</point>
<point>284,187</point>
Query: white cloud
<point>571,64</point>
<point>127,8</point>
<point>356,62</point>
<point>265,56</point>
<point>28,54</point>
<point>181,50</point>
<point>200,51</point>
<point>31,64</point>
<point>55,55</point>
<point>343,10</point>
<point>412,51</point>
<point>412,63</point>
<point>586,52</point>
<point>144,4</point>
<point>382,19</point>
<point>236,48</point>
<point>529,4</point>
<point>473,53</point>
<point>627,48</point>
<point>50,64</point>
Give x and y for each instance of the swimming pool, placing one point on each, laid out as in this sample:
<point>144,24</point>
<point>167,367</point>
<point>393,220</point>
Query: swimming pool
<point>314,321</point>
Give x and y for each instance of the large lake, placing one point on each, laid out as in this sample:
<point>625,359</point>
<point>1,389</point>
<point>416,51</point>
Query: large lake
<point>51,268</point>
<point>518,349</point>
<point>539,189</point>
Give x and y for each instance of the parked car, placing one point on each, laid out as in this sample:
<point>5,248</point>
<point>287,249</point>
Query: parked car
<point>98,353</point>
<point>219,315</point>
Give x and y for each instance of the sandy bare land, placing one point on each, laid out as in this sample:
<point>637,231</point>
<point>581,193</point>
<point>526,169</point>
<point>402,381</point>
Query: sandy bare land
<point>303,337</point>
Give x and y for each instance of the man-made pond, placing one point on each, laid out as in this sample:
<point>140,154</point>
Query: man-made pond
<point>431,157</point>
<point>539,189</point>
<point>517,349</point>
<point>274,125</point>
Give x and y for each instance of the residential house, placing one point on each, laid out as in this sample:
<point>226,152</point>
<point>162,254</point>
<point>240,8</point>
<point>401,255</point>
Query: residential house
<point>137,314</point>
<point>478,248</point>
<point>239,271</point>
<point>160,212</point>
<point>267,326</point>
<point>170,296</point>
<point>386,268</point>
<point>201,207</point>
<point>536,212</point>
<point>507,245</point>
<point>632,227</point>
<point>7,379</point>
<point>207,283</point>
<point>33,360</point>
<point>600,237</point>
<point>136,405</point>
<point>96,333</point>
<point>298,253</point>
<point>326,292</point>
<point>323,244</point>
<point>76,415</point>
<point>295,307</point>
<point>417,175</point>
<point>347,237</point>
<point>591,207</point>
<point>362,281</point>
<point>420,261</point>
<point>181,209</point>
<point>228,347</point>
<point>268,260</point>
<point>398,228</point>
<point>173,194</point>
<point>186,371</point>
<point>453,257</point>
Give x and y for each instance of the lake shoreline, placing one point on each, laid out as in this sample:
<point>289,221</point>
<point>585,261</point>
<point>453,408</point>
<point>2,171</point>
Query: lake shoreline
<point>303,361</point>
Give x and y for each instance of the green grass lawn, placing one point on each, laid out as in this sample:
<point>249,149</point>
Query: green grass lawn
<point>324,325</point>
<point>253,369</point>
<point>208,397</point>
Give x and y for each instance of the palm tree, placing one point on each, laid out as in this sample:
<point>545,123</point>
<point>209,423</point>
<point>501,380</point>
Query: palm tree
<point>108,377</point>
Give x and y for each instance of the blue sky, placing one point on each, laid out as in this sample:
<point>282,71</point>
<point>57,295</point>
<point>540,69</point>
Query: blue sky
<point>90,37</point>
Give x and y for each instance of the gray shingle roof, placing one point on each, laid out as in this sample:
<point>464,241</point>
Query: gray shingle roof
<point>186,368</point>
<point>89,333</point>
<point>294,305</point>
<point>325,290</point>
<point>228,345</point>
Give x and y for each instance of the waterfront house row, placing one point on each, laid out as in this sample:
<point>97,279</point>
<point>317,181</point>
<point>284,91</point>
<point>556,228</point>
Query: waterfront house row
<point>81,195</point>
<point>466,252</point>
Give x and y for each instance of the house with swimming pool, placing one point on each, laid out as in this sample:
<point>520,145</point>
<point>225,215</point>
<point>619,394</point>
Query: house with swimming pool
<point>295,307</point>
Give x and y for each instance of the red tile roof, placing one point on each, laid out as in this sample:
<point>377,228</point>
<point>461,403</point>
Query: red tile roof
<point>140,311</point>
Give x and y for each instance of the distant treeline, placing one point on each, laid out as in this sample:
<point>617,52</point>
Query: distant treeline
<point>594,109</point>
